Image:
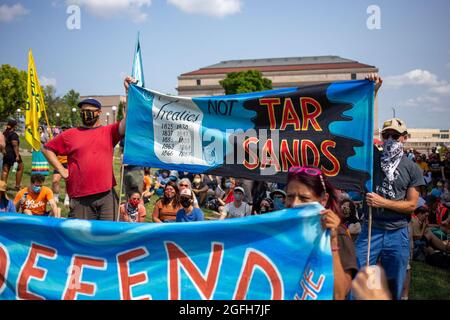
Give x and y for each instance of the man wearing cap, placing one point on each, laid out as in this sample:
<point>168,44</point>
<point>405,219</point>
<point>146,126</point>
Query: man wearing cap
<point>89,150</point>
<point>188,213</point>
<point>396,186</point>
<point>238,208</point>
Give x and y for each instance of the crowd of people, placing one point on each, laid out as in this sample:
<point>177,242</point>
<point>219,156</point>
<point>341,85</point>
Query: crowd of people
<point>409,202</point>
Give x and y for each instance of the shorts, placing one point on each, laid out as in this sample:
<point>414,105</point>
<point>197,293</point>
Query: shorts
<point>9,159</point>
<point>57,172</point>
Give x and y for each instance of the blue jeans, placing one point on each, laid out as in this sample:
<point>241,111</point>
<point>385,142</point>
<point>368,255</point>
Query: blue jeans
<point>391,249</point>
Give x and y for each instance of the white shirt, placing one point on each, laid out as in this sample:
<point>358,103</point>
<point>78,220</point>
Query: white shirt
<point>232,212</point>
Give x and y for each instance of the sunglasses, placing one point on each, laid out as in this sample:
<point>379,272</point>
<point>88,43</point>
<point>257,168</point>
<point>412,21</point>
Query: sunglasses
<point>310,172</point>
<point>394,136</point>
<point>184,185</point>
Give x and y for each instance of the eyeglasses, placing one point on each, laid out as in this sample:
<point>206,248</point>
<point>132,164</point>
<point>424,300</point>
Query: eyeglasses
<point>394,136</point>
<point>310,172</point>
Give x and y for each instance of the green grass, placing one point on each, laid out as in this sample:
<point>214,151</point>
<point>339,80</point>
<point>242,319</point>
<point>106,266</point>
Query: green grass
<point>428,283</point>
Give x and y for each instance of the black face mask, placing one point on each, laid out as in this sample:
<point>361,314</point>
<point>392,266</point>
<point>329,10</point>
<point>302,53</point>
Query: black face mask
<point>89,117</point>
<point>186,203</point>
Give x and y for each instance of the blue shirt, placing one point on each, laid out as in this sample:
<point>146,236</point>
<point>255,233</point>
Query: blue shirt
<point>7,206</point>
<point>195,215</point>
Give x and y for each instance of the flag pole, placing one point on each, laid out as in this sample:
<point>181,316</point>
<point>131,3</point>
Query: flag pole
<point>120,188</point>
<point>369,237</point>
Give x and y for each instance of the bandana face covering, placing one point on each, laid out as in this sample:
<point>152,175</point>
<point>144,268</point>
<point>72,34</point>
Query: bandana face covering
<point>89,117</point>
<point>132,212</point>
<point>392,154</point>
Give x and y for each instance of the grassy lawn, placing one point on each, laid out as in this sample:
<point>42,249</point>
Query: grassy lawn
<point>428,283</point>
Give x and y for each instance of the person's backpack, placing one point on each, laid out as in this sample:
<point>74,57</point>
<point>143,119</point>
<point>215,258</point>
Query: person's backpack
<point>439,259</point>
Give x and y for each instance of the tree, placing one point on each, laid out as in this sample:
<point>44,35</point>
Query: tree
<point>71,99</point>
<point>56,105</point>
<point>13,90</point>
<point>120,111</point>
<point>245,81</point>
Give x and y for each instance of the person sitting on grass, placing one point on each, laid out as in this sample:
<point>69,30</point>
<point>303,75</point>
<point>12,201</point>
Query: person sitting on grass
<point>188,213</point>
<point>148,188</point>
<point>238,208</point>
<point>167,206</point>
<point>33,200</point>
<point>133,210</point>
<point>6,205</point>
<point>185,183</point>
<point>425,241</point>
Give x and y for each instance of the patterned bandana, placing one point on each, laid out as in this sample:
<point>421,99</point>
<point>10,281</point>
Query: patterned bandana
<point>132,212</point>
<point>392,154</point>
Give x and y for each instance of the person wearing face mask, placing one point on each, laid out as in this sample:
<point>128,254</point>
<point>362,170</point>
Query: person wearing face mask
<point>238,208</point>
<point>308,184</point>
<point>396,187</point>
<point>133,210</point>
<point>166,208</point>
<point>33,199</point>
<point>89,149</point>
<point>266,206</point>
<point>279,198</point>
<point>199,188</point>
<point>185,183</point>
<point>6,205</point>
<point>188,213</point>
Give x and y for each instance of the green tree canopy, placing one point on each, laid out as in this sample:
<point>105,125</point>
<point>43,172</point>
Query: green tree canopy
<point>245,81</point>
<point>63,106</point>
<point>13,90</point>
<point>71,99</point>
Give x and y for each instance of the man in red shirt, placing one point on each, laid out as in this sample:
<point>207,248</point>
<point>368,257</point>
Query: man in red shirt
<point>89,149</point>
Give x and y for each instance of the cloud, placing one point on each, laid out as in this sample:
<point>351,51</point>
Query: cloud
<point>10,13</point>
<point>448,65</point>
<point>443,89</point>
<point>413,77</point>
<point>109,8</point>
<point>44,81</point>
<point>213,8</point>
<point>421,101</point>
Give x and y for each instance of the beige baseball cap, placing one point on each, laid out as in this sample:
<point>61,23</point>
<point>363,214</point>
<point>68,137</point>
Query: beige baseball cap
<point>395,124</point>
<point>186,192</point>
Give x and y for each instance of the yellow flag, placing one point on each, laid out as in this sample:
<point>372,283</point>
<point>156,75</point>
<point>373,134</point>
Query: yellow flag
<point>35,106</point>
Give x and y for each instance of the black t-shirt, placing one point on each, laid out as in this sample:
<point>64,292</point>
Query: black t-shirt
<point>10,137</point>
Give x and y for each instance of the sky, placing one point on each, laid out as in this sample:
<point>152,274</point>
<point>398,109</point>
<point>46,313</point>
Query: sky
<point>411,47</point>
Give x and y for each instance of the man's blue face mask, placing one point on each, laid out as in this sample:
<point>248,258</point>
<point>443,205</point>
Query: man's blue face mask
<point>278,203</point>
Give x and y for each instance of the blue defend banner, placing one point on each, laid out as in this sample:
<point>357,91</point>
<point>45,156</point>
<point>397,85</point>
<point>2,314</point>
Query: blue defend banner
<point>257,136</point>
<point>281,255</point>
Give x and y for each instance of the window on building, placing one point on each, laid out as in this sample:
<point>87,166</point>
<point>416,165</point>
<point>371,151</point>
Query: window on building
<point>436,135</point>
<point>199,82</point>
<point>444,136</point>
<point>353,76</point>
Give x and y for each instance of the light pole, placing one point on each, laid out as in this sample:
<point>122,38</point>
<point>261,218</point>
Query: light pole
<point>114,108</point>
<point>73,116</point>
<point>18,117</point>
<point>107,118</point>
<point>57,119</point>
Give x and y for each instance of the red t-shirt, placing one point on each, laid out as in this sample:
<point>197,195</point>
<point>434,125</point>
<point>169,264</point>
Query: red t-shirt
<point>89,157</point>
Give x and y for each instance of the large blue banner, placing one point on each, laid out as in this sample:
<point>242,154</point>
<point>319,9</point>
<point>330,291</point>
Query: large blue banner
<point>258,136</point>
<point>281,255</point>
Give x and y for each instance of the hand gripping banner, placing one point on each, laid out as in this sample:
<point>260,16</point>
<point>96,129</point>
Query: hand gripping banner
<point>258,135</point>
<point>281,255</point>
